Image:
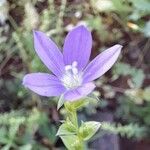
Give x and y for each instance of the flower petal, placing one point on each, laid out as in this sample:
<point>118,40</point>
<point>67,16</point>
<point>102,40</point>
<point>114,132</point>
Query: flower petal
<point>102,63</point>
<point>79,92</point>
<point>49,53</point>
<point>43,84</point>
<point>77,47</point>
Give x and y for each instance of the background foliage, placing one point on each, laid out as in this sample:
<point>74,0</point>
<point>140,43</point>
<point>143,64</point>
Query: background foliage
<point>28,121</point>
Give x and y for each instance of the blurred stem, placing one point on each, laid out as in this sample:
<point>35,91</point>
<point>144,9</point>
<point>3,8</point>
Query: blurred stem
<point>51,6</point>
<point>48,17</point>
<point>18,40</point>
<point>143,52</point>
<point>17,35</point>
<point>59,24</point>
<point>13,23</point>
<point>21,49</point>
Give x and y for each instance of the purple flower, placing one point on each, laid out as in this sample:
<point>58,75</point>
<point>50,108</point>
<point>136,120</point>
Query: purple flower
<point>73,75</point>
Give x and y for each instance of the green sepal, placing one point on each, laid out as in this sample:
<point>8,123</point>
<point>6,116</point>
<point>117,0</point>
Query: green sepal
<point>80,103</point>
<point>71,106</point>
<point>93,96</point>
<point>60,101</point>
<point>88,129</point>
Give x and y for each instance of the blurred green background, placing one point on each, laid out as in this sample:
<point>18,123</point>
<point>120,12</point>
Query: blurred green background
<point>30,122</point>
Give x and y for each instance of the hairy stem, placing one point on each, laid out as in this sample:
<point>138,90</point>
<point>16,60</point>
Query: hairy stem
<point>72,115</point>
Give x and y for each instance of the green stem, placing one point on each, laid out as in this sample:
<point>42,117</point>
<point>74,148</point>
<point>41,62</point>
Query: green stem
<point>72,115</point>
<point>74,136</point>
<point>59,23</point>
<point>74,118</point>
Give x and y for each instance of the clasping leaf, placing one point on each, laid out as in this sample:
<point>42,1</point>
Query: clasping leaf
<point>88,129</point>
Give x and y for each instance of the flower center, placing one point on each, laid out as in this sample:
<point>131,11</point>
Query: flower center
<point>72,78</point>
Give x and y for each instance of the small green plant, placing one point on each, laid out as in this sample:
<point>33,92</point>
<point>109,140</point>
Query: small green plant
<point>17,129</point>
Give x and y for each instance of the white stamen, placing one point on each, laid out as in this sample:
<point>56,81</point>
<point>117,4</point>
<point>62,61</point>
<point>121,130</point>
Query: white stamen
<point>74,64</point>
<point>75,70</point>
<point>68,67</point>
<point>72,78</point>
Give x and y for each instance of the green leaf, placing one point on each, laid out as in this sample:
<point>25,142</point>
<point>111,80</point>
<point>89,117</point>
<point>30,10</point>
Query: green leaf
<point>88,129</point>
<point>137,77</point>
<point>3,131</point>
<point>101,6</point>
<point>146,94</point>
<point>6,147</point>
<point>49,131</point>
<point>13,131</point>
<point>142,5</point>
<point>72,142</point>
<point>66,129</point>
<point>60,102</point>
<point>146,29</point>
<point>26,147</point>
<point>111,5</point>
<point>120,6</point>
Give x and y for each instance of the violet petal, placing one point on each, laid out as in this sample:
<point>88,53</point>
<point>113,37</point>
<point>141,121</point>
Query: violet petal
<point>49,53</point>
<point>43,84</point>
<point>102,63</point>
<point>79,92</point>
<point>77,47</point>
